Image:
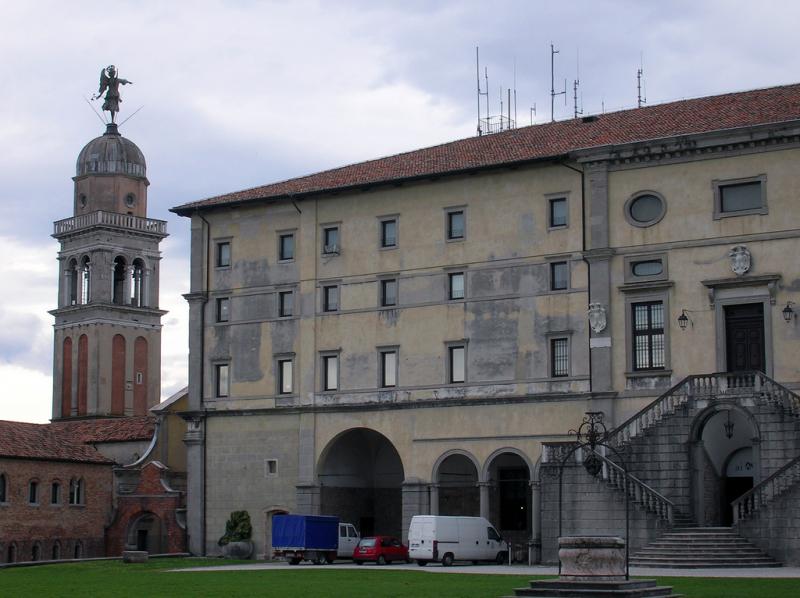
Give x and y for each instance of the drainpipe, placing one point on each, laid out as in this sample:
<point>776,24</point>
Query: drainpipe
<point>583,249</point>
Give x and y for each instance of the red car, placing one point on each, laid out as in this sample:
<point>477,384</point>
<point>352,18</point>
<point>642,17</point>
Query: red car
<point>381,549</point>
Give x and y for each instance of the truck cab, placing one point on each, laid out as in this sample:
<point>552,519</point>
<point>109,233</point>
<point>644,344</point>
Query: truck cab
<point>348,540</point>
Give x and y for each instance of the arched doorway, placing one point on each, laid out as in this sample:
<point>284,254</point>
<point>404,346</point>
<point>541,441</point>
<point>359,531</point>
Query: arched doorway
<point>145,532</point>
<point>509,476</point>
<point>360,476</point>
<point>456,478</point>
<point>724,461</point>
<point>268,515</point>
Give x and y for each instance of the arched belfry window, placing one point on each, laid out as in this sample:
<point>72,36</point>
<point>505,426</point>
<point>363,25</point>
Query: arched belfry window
<point>76,492</point>
<point>86,276</point>
<point>72,282</point>
<point>118,290</point>
<point>137,284</point>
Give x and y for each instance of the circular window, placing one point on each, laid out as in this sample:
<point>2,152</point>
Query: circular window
<point>645,208</point>
<point>130,200</point>
<point>82,200</point>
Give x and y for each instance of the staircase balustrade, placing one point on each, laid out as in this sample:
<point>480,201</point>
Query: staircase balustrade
<point>765,492</point>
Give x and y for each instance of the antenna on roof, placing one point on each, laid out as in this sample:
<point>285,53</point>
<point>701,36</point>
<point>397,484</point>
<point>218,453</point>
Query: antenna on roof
<point>639,83</point>
<point>515,92</point>
<point>494,124</point>
<point>575,85</point>
<point>553,92</point>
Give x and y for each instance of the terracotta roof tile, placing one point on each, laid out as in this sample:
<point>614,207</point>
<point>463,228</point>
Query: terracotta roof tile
<point>551,140</point>
<point>70,440</point>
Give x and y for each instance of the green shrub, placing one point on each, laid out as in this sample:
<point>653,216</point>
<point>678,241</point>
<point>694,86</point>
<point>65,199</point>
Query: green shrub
<point>237,528</point>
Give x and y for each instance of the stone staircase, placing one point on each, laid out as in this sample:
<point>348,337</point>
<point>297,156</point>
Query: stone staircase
<point>692,547</point>
<point>556,588</point>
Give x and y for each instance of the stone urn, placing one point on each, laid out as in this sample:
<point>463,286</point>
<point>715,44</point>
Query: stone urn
<point>592,558</point>
<point>238,550</point>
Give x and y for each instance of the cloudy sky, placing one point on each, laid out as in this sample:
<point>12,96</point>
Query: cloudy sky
<point>237,94</point>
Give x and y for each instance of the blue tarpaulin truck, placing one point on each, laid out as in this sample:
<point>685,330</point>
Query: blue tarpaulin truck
<point>305,537</point>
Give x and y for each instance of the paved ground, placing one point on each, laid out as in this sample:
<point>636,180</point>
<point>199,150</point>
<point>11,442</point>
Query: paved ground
<point>518,570</point>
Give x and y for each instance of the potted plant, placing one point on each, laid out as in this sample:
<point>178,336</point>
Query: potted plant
<point>236,542</point>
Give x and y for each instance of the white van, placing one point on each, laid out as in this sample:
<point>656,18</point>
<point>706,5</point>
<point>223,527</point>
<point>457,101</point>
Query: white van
<point>448,539</point>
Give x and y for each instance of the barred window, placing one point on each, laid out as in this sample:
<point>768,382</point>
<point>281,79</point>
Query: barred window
<point>648,335</point>
<point>559,357</point>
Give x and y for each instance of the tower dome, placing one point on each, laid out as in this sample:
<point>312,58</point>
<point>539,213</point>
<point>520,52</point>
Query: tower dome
<point>111,153</point>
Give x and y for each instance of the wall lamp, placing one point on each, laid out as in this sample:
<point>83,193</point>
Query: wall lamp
<point>684,319</point>
<point>788,312</point>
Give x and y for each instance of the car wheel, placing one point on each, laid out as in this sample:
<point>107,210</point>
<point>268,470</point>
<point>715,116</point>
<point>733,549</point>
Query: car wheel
<point>294,561</point>
<point>381,560</point>
<point>447,560</point>
<point>421,563</point>
<point>475,562</point>
<point>359,562</point>
<point>502,558</point>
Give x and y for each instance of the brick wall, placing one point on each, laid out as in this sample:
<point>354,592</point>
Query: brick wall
<point>46,525</point>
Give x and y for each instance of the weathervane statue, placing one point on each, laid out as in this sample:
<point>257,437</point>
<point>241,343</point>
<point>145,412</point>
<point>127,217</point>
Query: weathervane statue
<point>110,82</point>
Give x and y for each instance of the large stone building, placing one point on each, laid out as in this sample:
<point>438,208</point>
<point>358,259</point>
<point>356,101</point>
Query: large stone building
<point>109,472</point>
<point>418,333</point>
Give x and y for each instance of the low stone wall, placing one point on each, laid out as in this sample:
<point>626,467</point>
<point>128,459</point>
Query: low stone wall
<point>775,529</point>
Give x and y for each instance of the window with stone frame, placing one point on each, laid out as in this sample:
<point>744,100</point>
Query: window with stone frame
<point>455,285</point>
<point>33,492</point>
<point>559,276</point>
<point>649,350</point>
<point>286,247</point>
<point>388,233</point>
<point>330,372</point>
<point>285,304</point>
<point>285,375</point>
<point>223,309</point>
<point>222,380</point>
<point>456,226</point>
<point>330,297</point>
<point>456,363</point>
<point>388,292</point>
<point>3,488</point>
<point>559,357</point>
<point>330,240</point>
<point>55,493</point>
<point>388,365</point>
<point>557,213</point>
<point>223,254</point>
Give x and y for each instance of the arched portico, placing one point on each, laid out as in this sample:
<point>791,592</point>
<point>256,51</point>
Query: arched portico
<point>725,457</point>
<point>456,484</point>
<point>508,502</point>
<point>360,476</point>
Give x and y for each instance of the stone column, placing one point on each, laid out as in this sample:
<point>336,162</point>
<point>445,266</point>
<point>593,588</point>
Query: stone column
<point>535,550</point>
<point>126,285</point>
<point>483,488</point>
<point>195,484</point>
<point>434,499</point>
<point>309,498</point>
<point>415,493</point>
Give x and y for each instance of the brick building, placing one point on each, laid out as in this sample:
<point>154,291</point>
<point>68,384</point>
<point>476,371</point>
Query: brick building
<point>108,473</point>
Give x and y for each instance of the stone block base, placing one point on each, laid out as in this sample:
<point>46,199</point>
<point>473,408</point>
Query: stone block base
<point>134,556</point>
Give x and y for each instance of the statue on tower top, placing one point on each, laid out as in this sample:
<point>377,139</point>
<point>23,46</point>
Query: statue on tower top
<point>109,83</point>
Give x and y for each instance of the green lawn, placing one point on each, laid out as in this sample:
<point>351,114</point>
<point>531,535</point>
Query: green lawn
<point>112,578</point>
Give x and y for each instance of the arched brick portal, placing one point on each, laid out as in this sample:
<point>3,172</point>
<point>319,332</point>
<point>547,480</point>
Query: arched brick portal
<point>360,476</point>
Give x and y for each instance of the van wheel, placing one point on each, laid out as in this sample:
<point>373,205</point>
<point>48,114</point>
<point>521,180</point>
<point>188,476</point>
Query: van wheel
<point>294,561</point>
<point>421,563</point>
<point>502,558</point>
<point>447,560</point>
<point>381,560</point>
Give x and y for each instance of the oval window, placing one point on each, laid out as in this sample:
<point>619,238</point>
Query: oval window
<point>648,268</point>
<point>130,200</point>
<point>646,209</point>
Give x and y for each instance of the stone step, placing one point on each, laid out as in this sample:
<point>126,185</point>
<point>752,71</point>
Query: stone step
<point>703,565</point>
<point>557,588</point>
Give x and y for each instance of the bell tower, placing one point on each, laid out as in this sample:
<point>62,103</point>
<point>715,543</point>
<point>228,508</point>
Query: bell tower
<point>107,353</point>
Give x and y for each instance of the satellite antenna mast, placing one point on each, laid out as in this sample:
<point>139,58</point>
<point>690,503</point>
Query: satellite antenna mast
<point>639,75</point>
<point>533,111</point>
<point>481,93</point>
<point>515,92</point>
<point>553,92</point>
<point>575,85</point>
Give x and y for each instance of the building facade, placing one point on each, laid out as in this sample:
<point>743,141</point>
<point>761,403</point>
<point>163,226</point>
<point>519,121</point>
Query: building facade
<point>409,335</point>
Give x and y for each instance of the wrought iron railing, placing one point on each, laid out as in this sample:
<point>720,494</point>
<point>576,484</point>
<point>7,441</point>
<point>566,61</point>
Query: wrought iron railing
<point>765,492</point>
<point>149,225</point>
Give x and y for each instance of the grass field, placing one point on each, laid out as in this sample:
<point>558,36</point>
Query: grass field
<point>112,578</point>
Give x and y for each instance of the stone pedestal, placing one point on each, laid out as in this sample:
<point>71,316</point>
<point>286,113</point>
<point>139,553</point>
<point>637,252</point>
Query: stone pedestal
<point>592,558</point>
<point>134,556</point>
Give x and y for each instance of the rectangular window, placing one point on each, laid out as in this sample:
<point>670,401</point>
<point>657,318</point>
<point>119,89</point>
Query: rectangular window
<point>33,493</point>
<point>740,197</point>
<point>558,212</point>
<point>388,369</point>
<point>223,382</point>
<point>223,309</point>
<point>330,239</point>
<point>455,285</point>
<point>457,364</point>
<point>559,357</point>
<point>648,335</point>
<point>559,276</point>
<point>285,367</point>
<point>271,468</point>
<point>389,292</point>
<point>455,225</point>
<point>223,254</point>
<point>330,372</point>
<point>285,304</point>
<point>286,247</point>
<point>55,493</point>
<point>389,233</point>
<point>330,298</point>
